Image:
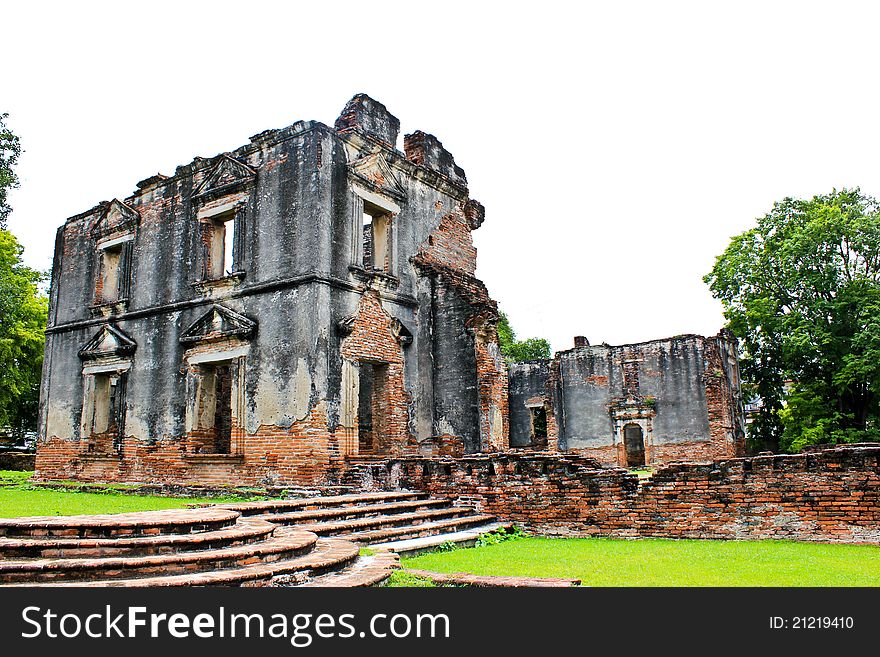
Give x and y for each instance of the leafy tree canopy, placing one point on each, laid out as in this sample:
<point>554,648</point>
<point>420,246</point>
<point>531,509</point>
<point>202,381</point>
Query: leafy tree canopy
<point>10,149</point>
<point>802,293</point>
<point>23,312</point>
<point>517,351</point>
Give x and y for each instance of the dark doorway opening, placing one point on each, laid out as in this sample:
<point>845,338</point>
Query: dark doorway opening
<point>372,406</point>
<point>634,443</point>
<point>539,426</point>
<point>223,409</point>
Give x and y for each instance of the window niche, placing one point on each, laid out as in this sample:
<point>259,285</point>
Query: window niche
<point>221,201</point>
<point>107,359</point>
<point>215,366</point>
<point>221,230</point>
<point>114,232</point>
<point>537,423</point>
<point>374,233</point>
<point>376,239</point>
<point>114,271</point>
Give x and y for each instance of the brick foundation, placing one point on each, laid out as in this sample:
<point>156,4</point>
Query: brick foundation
<point>306,454</point>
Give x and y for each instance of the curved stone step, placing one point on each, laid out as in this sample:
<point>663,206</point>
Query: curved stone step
<point>366,571</point>
<point>245,531</point>
<point>409,547</point>
<point>141,523</point>
<point>416,531</point>
<point>286,543</point>
<point>351,512</point>
<point>328,554</point>
<point>311,503</point>
<point>399,519</point>
<point>494,581</point>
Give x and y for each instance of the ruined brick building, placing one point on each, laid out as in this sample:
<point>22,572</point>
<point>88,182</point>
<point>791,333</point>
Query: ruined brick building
<point>632,405</point>
<point>308,301</point>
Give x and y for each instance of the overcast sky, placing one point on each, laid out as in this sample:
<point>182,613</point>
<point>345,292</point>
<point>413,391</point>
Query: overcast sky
<point>617,146</point>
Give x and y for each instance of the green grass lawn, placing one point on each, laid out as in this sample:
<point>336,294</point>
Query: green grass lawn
<point>663,562</point>
<point>19,498</point>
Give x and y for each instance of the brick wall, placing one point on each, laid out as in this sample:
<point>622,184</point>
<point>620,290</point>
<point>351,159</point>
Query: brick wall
<point>833,495</point>
<point>451,244</point>
<point>372,340</point>
<point>306,454</point>
<point>17,461</point>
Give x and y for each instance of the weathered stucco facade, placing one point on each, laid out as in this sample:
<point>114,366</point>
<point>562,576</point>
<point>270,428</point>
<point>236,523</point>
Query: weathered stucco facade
<point>633,405</point>
<point>286,311</point>
<point>260,316</point>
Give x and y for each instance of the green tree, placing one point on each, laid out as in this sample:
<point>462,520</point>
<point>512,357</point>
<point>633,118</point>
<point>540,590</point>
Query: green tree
<point>10,149</point>
<point>802,293</point>
<point>516,351</point>
<point>23,312</point>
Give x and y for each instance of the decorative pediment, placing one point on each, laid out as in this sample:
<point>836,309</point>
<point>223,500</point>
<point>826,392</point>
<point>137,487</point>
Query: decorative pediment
<point>228,175</point>
<point>216,324</point>
<point>108,342</point>
<point>375,171</point>
<point>116,217</point>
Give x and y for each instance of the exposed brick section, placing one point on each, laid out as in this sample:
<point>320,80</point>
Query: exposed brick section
<point>426,150</point>
<point>306,453</point>
<point>451,245</point>
<point>832,495</point>
<point>372,340</point>
<point>492,382</point>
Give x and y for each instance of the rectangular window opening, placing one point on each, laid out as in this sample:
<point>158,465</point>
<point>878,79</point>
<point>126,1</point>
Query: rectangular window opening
<point>539,424</point>
<point>110,264</point>
<point>221,246</point>
<point>376,232</point>
<point>228,244</point>
<point>368,241</point>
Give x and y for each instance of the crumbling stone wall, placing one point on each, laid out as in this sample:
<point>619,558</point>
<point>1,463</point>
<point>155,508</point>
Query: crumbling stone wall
<point>293,312</point>
<point>682,393</point>
<point>832,495</point>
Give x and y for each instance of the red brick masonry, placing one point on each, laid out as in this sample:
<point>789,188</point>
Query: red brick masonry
<point>833,495</point>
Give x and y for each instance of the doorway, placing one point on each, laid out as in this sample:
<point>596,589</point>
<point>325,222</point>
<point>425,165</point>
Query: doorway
<point>372,406</point>
<point>634,443</point>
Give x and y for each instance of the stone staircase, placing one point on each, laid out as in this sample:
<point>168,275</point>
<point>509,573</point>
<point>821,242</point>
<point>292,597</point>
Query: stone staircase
<point>300,542</point>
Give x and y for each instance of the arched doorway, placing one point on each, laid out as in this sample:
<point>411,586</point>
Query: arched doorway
<point>634,443</point>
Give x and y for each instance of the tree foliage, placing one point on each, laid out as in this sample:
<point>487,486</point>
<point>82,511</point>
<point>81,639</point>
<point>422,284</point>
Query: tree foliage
<point>10,149</point>
<point>802,293</point>
<point>517,351</point>
<point>23,312</point>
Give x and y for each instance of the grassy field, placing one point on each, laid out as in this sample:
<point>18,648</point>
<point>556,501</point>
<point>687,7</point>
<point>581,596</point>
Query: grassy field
<point>661,562</point>
<point>596,561</point>
<point>19,498</point>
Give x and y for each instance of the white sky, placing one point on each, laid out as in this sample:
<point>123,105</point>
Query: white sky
<point>617,146</point>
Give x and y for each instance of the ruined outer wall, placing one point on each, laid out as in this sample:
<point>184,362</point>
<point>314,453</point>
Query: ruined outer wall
<point>528,381</point>
<point>301,279</point>
<point>686,388</point>
<point>832,495</point>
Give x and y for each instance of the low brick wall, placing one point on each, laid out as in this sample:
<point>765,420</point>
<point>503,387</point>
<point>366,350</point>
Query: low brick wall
<point>833,495</point>
<point>17,461</point>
